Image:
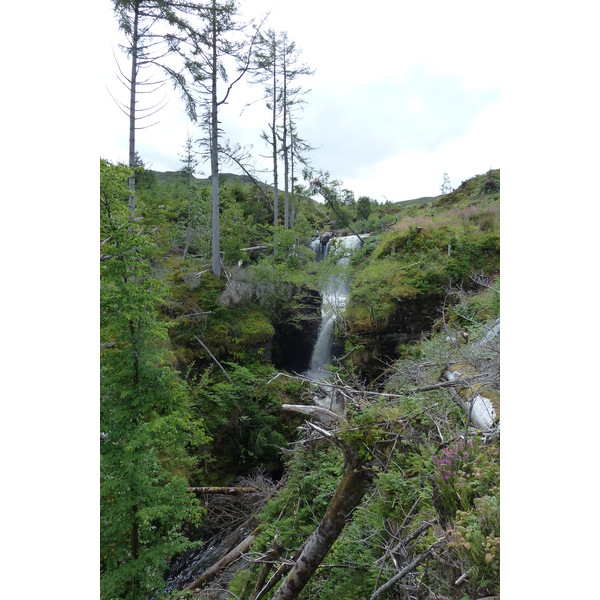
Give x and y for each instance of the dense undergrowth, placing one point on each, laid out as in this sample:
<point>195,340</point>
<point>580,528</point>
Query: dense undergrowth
<point>211,405</point>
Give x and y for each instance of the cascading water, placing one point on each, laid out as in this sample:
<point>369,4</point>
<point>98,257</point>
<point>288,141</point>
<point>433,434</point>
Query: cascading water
<point>335,296</point>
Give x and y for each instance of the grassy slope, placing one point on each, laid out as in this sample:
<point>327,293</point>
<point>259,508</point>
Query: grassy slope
<point>430,247</point>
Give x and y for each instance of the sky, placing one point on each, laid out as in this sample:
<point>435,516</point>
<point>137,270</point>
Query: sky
<point>402,93</point>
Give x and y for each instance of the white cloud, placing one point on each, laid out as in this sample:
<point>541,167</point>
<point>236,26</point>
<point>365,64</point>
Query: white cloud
<point>403,92</point>
<point>413,174</point>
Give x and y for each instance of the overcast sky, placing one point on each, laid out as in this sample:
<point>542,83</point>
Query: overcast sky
<point>402,92</point>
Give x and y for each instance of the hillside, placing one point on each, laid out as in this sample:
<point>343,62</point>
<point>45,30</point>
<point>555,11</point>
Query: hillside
<point>166,178</point>
<point>385,479</point>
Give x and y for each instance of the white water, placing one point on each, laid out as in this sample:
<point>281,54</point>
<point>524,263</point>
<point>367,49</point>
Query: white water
<point>335,296</point>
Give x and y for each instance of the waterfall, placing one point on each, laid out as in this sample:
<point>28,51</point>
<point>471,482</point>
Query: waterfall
<point>335,296</point>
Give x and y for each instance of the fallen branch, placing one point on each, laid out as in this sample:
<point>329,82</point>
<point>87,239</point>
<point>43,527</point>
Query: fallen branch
<point>213,357</point>
<point>222,490</point>
<point>254,248</point>
<point>230,557</point>
<point>407,569</point>
<point>284,569</point>
<point>323,415</point>
<point>484,416</point>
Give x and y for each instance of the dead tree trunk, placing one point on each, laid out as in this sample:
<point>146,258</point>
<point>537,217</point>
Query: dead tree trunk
<point>350,491</point>
<point>230,557</point>
<point>232,490</point>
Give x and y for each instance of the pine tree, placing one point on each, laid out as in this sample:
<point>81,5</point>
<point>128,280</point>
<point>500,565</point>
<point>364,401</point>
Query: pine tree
<point>156,31</point>
<point>148,433</point>
<point>190,163</point>
<point>292,100</point>
<point>215,42</point>
<point>275,66</point>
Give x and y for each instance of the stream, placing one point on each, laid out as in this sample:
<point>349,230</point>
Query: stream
<point>189,565</point>
<point>335,296</point>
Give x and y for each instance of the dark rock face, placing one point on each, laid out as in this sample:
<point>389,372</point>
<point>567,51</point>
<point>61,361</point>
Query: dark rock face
<point>296,334</point>
<point>325,237</point>
<point>411,319</point>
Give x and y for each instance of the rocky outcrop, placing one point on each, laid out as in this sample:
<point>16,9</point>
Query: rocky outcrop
<point>296,332</point>
<point>381,344</point>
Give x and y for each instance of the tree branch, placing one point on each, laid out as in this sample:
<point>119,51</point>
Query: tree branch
<point>213,357</point>
<point>230,557</point>
<point>409,567</point>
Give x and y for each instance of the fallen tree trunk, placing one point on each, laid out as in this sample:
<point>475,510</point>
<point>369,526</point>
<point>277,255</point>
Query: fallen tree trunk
<point>350,491</point>
<point>222,490</point>
<point>479,409</point>
<point>230,557</point>
<point>254,248</point>
<point>323,415</point>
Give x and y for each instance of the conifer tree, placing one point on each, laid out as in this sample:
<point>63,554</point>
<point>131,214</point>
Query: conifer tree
<point>190,163</point>
<point>292,99</point>
<point>215,42</point>
<point>156,32</point>
<point>148,433</point>
<point>276,67</point>
<point>266,71</point>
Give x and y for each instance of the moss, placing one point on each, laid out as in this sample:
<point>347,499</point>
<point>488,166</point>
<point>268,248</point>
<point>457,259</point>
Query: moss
<point>255,328</point>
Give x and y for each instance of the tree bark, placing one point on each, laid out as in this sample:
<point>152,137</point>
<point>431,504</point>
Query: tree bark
<point>132,102</point>
<point>286,214</point>
<point>274,132</point>
<point>214,152</point>
<point>479,409</point>
<point>350,491</point>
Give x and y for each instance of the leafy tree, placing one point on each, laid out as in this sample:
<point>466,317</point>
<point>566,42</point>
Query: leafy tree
<point>148,434</point>
<point>363,208</point>
<point>322,184</point>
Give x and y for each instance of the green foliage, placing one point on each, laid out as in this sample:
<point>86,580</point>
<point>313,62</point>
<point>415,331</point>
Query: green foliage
<point>474,190</point>
<point>363,207</point>
<point>150,439</point>
<point>296,510</point>
<point>279,282</point>
<point>160,432</point>
<point>465,471</point>
<point>242,417</point>
<point>475,542</point>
